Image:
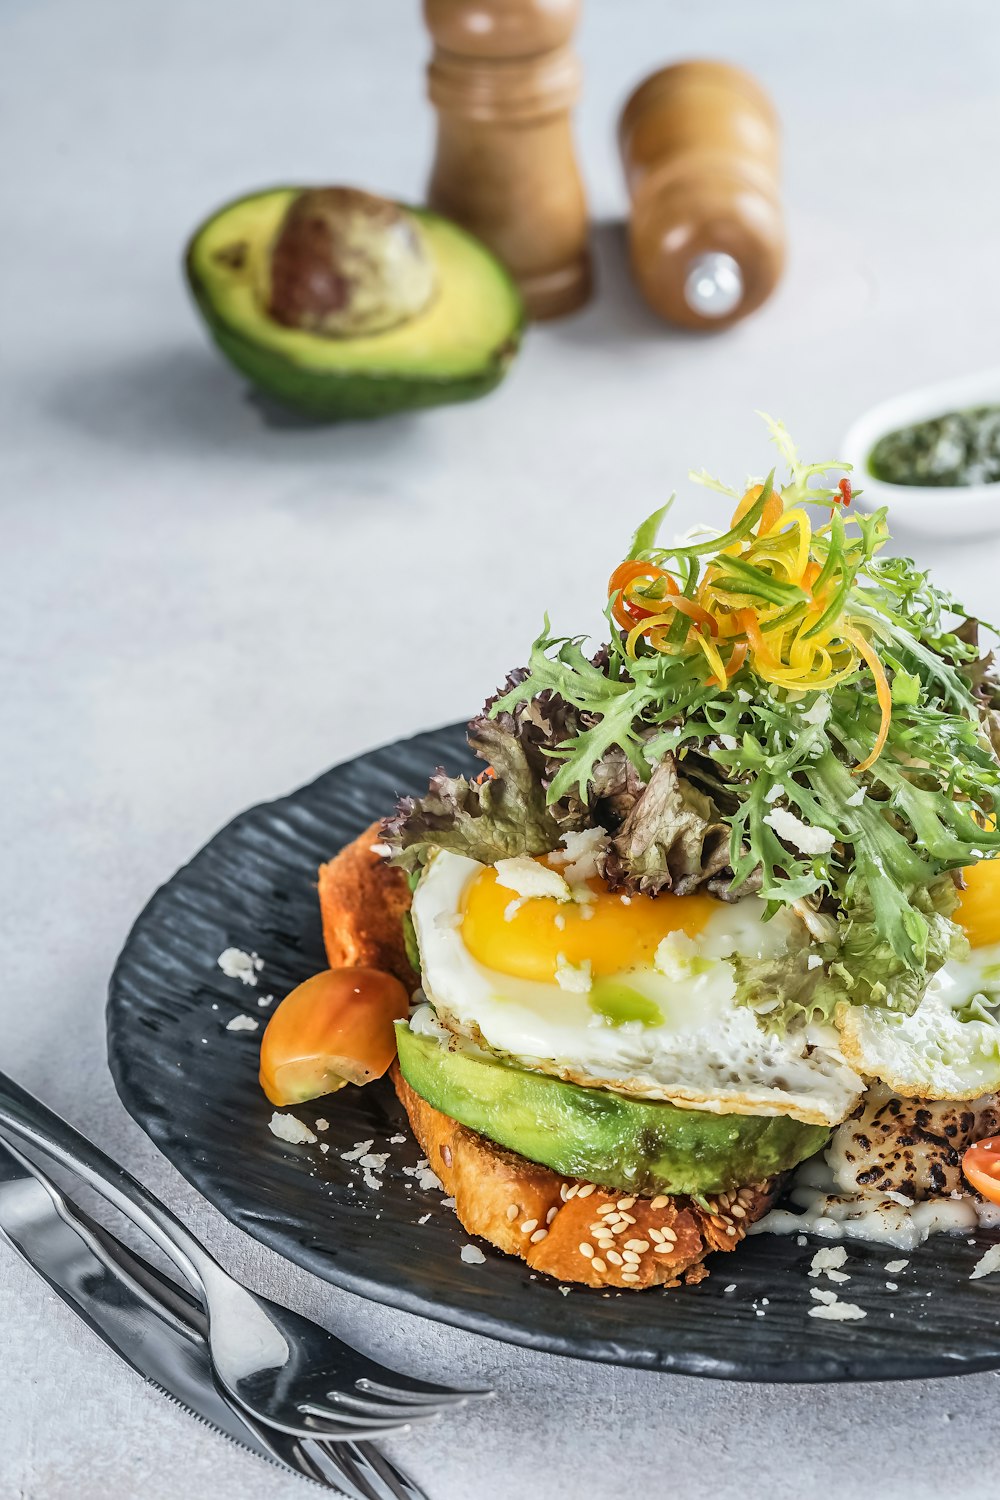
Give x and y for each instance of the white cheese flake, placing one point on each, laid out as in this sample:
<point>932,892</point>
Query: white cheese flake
<point>290,1128</point>
<point>394,1140</point>
<point>243,1023</point>
<point>512,908</point>
<point>382,850</point>
<point>728,741</point>
<point>831,1257</point>
<point>801,836</point>
<point>472,1255</point>
<point>895,1266</point>
<point>838,1312</point>
<point>580,854</point>
<point>814,961</point>
<point>322,1124</point>
<point>360,1147</point>
<point>822,1295</point>
<point>675,954</point>
<point>987,1264</point>
<point>856,798</point>
<point>575,980</point>
<point>527,878</point>
<point>819,711</point>
<point>423,1218</point>
<point>236,964</point>
<point>776,791</point>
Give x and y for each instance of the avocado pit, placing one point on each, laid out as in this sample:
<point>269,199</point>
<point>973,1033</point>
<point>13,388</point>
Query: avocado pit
<point>345,263</point>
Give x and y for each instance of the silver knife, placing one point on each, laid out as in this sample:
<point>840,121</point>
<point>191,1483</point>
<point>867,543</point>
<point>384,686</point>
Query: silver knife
<point>157,1328</point>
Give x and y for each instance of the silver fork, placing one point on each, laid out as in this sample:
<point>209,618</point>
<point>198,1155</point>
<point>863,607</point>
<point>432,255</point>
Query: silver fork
<point>280,1366</point>
<point>159,1329</point>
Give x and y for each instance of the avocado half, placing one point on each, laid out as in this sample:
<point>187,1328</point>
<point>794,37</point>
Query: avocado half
<point>459,347</point>
<point>640,1145</point>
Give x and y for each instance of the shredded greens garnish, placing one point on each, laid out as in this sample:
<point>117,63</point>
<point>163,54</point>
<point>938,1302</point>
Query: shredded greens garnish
<point>812,689</point>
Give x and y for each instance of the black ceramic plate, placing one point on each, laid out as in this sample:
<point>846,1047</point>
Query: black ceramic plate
<point>192,1085</point>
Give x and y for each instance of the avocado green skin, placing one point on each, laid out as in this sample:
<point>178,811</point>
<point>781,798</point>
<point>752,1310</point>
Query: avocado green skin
<point>329,394</point>
<point>640,1145</point>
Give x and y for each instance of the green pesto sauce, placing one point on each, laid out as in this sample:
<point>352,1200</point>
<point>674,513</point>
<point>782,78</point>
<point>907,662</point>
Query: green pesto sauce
<point>960,448</point>
<point>618,1003</point>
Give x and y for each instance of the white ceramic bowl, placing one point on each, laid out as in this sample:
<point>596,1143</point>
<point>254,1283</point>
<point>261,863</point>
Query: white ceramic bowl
<point>934,510</point>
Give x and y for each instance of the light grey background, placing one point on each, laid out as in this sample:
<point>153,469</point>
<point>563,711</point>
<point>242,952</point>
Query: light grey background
<point>201,610</point>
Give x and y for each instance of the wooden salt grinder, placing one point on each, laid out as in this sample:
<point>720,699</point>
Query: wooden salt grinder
<point>699,143</point>
<point>503,78</point>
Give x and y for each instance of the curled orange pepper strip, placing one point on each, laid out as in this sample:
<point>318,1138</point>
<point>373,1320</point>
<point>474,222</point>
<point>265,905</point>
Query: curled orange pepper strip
<point>624,610</point>
<point>867,651</point>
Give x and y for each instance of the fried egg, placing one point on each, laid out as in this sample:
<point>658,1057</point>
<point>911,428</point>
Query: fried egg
<point>949,1048</point>
<point>632,993</point>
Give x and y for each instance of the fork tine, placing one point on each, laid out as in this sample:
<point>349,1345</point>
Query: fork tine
<point>361,1472</point>
<point>352,1424</point>
<point>401,1486</point>
<point>401,1410</point>
<point>347,1476</point>
<point>418,1390</point>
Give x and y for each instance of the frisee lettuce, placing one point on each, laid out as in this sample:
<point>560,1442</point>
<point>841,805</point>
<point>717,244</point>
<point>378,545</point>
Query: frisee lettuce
<point>923,808</point>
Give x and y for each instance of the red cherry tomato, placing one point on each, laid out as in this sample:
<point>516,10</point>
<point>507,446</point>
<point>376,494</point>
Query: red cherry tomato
<point>981,1165</point>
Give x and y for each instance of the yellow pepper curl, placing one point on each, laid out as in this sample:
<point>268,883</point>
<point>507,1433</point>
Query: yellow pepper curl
<point>795,639</point>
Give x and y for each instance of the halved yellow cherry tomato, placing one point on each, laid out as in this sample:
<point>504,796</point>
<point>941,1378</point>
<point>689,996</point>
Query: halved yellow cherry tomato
<point>981,1165</point>
<point>336,1028</point>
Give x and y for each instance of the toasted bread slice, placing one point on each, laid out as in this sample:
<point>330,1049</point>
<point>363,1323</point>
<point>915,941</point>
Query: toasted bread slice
<point>575,1231</point>
<point>362,901</point>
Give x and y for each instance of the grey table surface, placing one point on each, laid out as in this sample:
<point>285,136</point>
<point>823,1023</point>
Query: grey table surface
<point>187,623</point>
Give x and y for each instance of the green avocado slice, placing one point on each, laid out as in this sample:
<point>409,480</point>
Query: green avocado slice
<point>640,1145</point>
<point>459,347</point>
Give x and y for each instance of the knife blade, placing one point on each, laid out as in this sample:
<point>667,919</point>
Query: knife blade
<point>149,1321</point>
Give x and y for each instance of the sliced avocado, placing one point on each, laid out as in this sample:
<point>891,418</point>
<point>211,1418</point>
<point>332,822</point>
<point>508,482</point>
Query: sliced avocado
<point>454,347</point>
<point>640,1145</point>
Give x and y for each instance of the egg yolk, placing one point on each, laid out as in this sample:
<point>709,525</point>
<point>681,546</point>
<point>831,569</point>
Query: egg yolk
<point>978,911</point>
<point>533,938</point>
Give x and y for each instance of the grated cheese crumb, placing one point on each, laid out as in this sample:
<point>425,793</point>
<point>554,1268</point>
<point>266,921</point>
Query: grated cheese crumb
<point>526,877</point>
<point>814,961</point>
<point>423,1218</point>
<point>576,981</point>
<point>322,1124</point>
<point>236,964</point>
<point>360,1147</point>
<point>838,1312</point>
<point>394,1140</point>
<point>580,853</point>
<point>290,1128</point>
<point>821,1295</point>
<point>472,1255</point>
<point>893,1266</point>
<point>243,1023</point>
<point>987,1264</point>
<point>801,836</point>
<point>830,1257</point>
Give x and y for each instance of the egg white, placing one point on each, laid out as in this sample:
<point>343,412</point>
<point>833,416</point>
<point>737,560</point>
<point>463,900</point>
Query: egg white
<point>932,1054</point>
<point>708,1052</point>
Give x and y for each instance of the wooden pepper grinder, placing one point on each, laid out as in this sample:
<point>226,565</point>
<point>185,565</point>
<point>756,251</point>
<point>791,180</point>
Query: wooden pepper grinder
<point>503,78</point>
<point>699,142</point>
